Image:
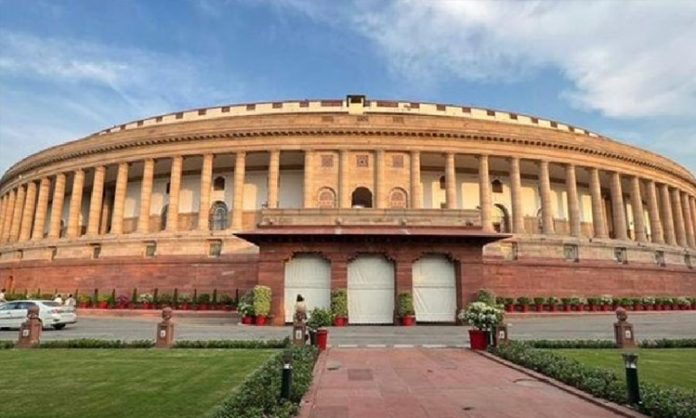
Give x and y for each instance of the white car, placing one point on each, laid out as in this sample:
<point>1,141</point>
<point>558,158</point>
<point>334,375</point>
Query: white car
<point>51,314</point>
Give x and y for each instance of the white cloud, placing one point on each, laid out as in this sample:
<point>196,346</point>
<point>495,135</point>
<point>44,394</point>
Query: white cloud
<point>624,59</point>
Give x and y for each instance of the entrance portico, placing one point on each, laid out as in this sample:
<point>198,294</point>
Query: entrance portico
<point>357,253</point>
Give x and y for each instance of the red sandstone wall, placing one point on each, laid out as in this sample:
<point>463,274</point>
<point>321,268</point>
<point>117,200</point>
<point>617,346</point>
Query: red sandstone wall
<point>226,274</point>
<point>553,278</point>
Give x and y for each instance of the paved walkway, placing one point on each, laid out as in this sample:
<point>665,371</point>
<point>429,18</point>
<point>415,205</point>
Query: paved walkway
<point>595,326</point>
<point>442,383</point>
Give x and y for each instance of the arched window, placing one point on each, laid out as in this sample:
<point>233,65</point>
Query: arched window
<point>497,186</point>
<point>501,219</point>
<point>361,198</point>
<point>163,217</point>
<point>217,219</point>
<point>219,183</point>
<point>327,198</point>
<point>398,199</point>
<point>443,183</point>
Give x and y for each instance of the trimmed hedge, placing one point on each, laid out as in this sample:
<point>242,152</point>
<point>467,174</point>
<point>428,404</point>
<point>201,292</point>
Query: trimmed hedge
<point>94,343</point>
<point>596,344</point>
<point>259,395</point>
<point>658,401</point>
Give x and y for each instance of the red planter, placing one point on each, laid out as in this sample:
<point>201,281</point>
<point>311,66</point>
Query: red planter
<point>408,321</point>
<point>552,308</point>
<point>478,339</point>
<point>260,320</point>
<point>322,339</point>
<point>83,305</point>
<point>566,308</point>
<point>247,320</point>
<point>539,308</point>
<point>340,321</point>
<point>523,308</point>
<point>102,305</point>
<point>637,307</point>
<point>509,308</point>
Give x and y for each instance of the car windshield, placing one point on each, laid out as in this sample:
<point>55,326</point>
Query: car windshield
<point>51,303</point>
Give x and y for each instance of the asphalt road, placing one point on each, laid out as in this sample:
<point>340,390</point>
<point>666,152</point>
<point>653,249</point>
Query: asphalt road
<point>647,326</point>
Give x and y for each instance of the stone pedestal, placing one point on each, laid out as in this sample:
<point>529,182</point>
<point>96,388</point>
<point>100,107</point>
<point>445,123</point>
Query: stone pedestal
<point>30,330</point>
<point>165,330</point>
<point>299,323</point>
<point>500,337</point>
<point>623,330</point>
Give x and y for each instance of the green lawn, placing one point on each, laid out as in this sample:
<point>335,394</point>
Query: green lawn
<point>671,367</point>
<point>120,383</point>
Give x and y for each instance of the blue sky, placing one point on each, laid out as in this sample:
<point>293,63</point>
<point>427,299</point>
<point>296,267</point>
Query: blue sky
<point>623,69</point>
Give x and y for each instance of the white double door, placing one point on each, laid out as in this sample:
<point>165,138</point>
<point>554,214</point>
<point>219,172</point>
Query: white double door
<point>370,290</point>
<point>308,275</point>
<point>434,289</point>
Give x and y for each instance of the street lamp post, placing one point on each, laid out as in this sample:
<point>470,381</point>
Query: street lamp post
<point>631,364</point>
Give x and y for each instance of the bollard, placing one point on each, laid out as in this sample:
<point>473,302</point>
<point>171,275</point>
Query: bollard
<point>30,330</point>
<point>633,388</point>
<point>286,379</point>
<point>165,330</point>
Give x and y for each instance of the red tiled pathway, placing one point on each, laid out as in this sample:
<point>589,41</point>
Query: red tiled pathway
<point>416,382</point>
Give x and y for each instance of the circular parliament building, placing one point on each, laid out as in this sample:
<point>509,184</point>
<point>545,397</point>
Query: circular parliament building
<point>376,197</point>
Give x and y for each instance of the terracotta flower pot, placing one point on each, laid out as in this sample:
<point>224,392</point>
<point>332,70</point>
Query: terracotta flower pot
<point>260,320</point>
<point>478,339</point>
<point>340,321</point>
<point>408,321</point>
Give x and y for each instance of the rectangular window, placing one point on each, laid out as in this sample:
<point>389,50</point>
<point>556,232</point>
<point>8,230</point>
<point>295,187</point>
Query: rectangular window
<point>150,249</point>
<point>620,255</point>
<point>215,248</point>
<point>570,252</point>
<point>96,250</point>
<point>660,258</point>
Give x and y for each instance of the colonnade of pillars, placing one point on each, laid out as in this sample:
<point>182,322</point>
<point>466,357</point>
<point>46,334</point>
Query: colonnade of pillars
<point>23,210</point>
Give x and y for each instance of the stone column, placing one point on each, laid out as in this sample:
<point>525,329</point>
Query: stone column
<point>343,191</point>
<point>273,176</point>
<point>41,209</point>
<point>692,201</point>
<point>95,201</point>
<point>9,212</point>
<point>416,187</point>
<point>516,196</point>
<point>28,213</point>
<point>679,226</point>
<point>3,204</point>
<point>451,181</point>
<point>573,202</point>
<point>308,180</point>
<point>379,180</point>
<point>667,217</point>
<point>119,199</point>
<point>75,204</point>
<point>174,188</point>
<point>598,221</point>
<point>238,208</point>
<point>57,206</point>
<point>686,209</point>
<point>618,209</point>
<point>146,196</point>
<point>545,192</point>
<point>637,206</point>
<point>107,203</point>
<point>18,212</point>
<point>658,236</point>
<point>485,198</point>
<point>206,180</point>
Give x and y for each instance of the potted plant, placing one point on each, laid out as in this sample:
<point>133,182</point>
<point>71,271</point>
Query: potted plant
<point>605,302</point>
<point>574,303</point>
<point>675,304</point>
<point>145,301</point>
<point>539,303</point>
<point>122,301</point>
<point>84,301</point>
<point>165,300</point>
<point>693,302</point>
<point>486,296</point>
<point>227,302</point>
<point>552,302</point>
<point>483,318</point>
<point>523,303</point>
<point>509,304</point>
<point>566,304</point>
<point>683,302</point>
<point>203,302</point>
<point>102,302</point>
<point>499,301</point>
<point>648,303</point>
<point>637,304</point>
<point>319,319</point>
<point>626,303</point>
<point>339,307</point>
<point>246,308</point>
<point>594,303</point>
<point>262,303</point>
<point>615,303</point>
<point>184,301</point>
<point>405,309</point>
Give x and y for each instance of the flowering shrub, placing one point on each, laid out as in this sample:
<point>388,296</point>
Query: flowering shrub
<point>481,316</point>
<point>605,299</point>
<point>145,298</point>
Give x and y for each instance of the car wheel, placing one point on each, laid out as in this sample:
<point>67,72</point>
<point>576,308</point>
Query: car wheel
<point>58,326</point>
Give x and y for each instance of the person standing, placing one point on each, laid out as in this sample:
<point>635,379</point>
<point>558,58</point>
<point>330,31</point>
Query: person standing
<point>70,301</point>
<point>58,299</point>
<point>2,296</point>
